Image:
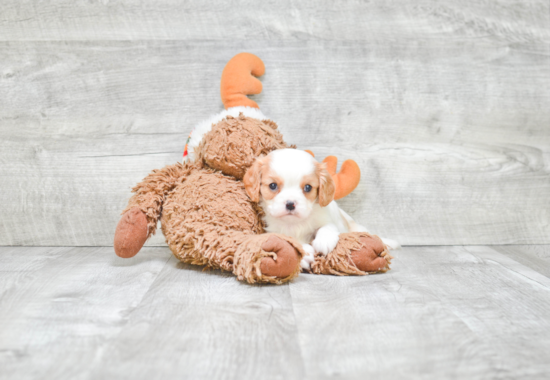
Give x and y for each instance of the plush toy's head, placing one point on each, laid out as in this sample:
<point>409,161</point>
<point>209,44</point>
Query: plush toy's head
<point>233,144</point>
<point>233,139</point>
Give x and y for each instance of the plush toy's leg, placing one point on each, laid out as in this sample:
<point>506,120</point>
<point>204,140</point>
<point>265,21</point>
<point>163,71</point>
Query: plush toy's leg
<point>150,193</point>
<point>139,219</point>
<point>268,258</point>
<point>357,253</point>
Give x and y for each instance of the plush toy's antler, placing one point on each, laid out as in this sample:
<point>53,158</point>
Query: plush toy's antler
<point>347,179</point>
<point>238,80</point>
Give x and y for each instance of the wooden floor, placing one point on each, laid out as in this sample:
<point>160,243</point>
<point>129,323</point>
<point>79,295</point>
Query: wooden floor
<point>442,312</point>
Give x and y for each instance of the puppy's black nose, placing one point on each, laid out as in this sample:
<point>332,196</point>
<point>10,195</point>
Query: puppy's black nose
<point>290,206</point>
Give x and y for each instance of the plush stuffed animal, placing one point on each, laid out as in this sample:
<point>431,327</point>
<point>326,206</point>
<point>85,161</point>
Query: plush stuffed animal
<point>207,217</point>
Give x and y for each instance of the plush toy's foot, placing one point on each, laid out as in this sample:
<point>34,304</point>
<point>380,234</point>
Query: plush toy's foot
<point>287,258</point>
<point>372,257</point>
<point>357,253</point>
<point>268,258</point>
<point>131,233</point>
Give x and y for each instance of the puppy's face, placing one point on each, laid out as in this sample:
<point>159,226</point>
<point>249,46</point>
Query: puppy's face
<point>289,182</point>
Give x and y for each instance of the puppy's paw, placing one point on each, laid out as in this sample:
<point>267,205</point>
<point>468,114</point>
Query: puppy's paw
<point>309,258</point>
<point>392,244</point>
<point>325,241</point>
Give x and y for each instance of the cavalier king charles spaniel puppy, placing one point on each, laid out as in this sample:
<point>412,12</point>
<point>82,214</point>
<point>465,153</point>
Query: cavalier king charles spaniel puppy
<point>297,195</point>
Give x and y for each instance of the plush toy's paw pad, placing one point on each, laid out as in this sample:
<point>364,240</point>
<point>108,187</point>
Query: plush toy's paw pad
<point>287,258</point>
<point>309,258</point>
<point>371,257</point>
<point>325,241</point>
<point>131,233</point>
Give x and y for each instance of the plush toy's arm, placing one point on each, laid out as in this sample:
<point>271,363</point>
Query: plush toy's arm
<point>347,179</point>
<point>140,217</point>
<point>149,193</point>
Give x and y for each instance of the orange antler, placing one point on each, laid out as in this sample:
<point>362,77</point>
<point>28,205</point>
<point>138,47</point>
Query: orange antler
<point>347,179</point>
<point>238,80</point>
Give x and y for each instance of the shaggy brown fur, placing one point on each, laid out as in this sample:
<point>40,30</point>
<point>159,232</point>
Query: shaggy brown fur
<point>218,150</point>
<point>208,219</point>
<point>206,216</point>
<point>357,253</point>
<point>274,256</point>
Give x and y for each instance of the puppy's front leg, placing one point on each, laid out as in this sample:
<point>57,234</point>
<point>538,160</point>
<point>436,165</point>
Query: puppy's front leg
<point>326,239</point>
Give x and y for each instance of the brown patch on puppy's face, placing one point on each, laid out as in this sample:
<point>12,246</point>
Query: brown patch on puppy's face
<point>313,181</point>
<point>271,184</point>
<point>261,180</point>
<point>326,185</point>
<point>253,177</point>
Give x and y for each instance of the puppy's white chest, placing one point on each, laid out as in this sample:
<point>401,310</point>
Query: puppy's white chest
<point>303,232</point>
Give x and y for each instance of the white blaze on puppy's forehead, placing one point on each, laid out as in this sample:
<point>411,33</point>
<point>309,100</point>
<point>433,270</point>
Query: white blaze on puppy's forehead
<point>295,164</point>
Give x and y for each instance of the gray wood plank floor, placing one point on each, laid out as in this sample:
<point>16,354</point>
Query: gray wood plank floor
<point>473,312</point>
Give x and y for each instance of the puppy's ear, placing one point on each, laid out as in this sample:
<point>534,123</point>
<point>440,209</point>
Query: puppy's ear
<point>326,185</point>
<point>252,179</point>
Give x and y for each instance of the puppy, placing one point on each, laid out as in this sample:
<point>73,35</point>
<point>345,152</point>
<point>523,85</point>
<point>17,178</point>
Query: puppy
<point>297,195</point>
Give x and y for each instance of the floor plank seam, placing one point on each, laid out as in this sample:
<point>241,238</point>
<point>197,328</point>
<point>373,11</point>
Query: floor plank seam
<point>297,332</point>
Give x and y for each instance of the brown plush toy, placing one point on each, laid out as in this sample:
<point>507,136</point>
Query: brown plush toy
<point>206,216</point>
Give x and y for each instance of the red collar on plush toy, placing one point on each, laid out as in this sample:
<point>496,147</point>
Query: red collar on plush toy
<point>186,149</point>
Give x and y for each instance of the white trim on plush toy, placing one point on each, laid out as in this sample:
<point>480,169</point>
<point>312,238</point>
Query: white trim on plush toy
<point>205,126</point>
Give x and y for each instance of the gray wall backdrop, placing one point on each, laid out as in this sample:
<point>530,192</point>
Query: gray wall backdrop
<point>444,104</point>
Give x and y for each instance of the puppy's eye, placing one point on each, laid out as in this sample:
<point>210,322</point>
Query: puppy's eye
<point>273,186</point>
<point>307,188</point>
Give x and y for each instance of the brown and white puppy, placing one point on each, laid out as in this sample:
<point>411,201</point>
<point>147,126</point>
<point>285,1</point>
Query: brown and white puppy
<point>297,195</point>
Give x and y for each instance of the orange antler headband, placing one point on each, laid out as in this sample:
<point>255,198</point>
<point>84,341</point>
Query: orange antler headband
<point>238,80</point>
<point>347,179</point>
